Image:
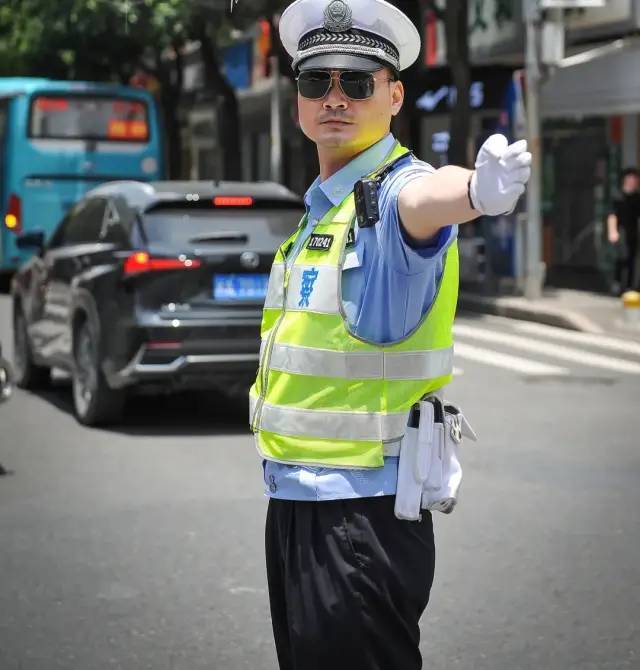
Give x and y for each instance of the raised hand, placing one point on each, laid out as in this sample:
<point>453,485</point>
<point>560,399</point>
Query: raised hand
<point>502,171</point>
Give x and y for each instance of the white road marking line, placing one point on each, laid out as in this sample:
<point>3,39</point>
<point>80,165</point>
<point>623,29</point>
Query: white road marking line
<point>500,360</point>
<point>546,348</point>
<point>601,341</point>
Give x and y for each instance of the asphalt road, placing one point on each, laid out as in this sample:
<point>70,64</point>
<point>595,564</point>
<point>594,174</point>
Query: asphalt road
<point>141,546</point>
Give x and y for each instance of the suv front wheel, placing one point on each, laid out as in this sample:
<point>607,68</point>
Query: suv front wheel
<point>94,402</point>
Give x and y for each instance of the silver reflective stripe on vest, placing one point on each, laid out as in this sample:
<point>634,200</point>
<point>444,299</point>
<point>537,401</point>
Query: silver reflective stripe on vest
<point>322,363</point>
<point>331,425</point>
<point>314,288</point>
<point>429,364</point>
<point>362,365</point>
<point>275,292</point>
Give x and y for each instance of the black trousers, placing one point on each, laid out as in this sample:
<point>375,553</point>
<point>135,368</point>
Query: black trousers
<point>348,583</point>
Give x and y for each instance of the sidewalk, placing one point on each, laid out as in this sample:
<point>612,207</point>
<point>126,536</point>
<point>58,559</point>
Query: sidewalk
<point>575,310</point>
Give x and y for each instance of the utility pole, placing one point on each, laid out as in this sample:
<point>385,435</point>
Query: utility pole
<point>545,30</point>
<point>533,265</point>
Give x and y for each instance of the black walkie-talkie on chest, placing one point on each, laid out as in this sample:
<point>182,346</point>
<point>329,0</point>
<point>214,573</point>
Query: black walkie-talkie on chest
<point>365,194</point>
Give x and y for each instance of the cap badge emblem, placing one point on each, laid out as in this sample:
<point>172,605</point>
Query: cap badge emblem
<point>338,17</point>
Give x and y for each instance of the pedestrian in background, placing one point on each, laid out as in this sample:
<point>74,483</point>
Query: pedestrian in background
<point>622,226</point>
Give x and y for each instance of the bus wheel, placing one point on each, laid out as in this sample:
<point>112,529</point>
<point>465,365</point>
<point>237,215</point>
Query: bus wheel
<point>27,374</point>
<point>94,402</point>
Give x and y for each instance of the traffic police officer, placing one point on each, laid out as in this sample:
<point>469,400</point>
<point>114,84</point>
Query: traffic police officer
<point>357,327</point>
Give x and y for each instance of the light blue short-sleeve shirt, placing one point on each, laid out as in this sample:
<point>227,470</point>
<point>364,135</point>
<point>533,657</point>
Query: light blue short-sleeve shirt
<point>388,285</point>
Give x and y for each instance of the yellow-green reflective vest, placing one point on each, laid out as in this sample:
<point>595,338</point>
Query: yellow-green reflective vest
<point>324,396</point>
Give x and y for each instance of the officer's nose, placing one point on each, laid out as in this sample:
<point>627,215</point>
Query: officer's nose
<point>335,98</point>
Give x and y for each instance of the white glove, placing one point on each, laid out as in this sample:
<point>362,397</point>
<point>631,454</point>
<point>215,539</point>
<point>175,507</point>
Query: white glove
<point>502,170</point>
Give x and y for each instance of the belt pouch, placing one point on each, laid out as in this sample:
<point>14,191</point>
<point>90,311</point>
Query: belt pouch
<point>441,491</point>
<point>413,464</point>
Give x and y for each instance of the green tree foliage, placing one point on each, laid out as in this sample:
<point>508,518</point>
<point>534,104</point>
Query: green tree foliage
<point>85,39</point>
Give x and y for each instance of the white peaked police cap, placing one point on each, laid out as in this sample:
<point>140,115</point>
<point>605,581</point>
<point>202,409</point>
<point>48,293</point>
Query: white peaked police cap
<point>348,34</point>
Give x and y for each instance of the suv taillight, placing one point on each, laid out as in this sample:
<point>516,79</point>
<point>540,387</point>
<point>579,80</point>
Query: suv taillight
<point>141,261</point>
<point>233,201</point>
<point>13,217</point>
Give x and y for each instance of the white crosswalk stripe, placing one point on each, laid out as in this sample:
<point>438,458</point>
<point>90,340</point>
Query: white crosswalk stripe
<point>545,348</point>
<point>506,361</point>
<point>588,339</point>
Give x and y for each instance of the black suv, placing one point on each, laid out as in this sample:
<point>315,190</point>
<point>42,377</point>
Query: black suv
<point>158,285</point>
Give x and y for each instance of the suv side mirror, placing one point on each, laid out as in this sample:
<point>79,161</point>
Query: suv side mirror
<point>31,240</point>
<point>6,380</point>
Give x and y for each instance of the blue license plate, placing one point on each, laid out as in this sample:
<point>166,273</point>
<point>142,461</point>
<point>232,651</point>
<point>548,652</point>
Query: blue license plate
<point>240,287</point>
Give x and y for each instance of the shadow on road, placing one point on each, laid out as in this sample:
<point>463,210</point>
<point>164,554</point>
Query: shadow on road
<point>180,414</point>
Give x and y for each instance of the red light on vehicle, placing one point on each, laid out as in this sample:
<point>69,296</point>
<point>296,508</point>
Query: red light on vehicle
<point>137,261</point>
<point>233,201</point>
<point>141,261</point>
<point>117,129</point>
<point>138,129</point>
<point>13,217</point>
<point>52,104</point>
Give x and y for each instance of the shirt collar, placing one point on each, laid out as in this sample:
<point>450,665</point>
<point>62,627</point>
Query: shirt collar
<point>340,184</point>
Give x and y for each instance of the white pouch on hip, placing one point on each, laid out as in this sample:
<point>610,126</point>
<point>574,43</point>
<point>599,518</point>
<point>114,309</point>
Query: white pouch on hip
<point>413,466</point>
<point>440,492</point>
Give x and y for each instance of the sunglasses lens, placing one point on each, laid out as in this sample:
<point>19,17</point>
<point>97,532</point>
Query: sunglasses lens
<point>314,84</point>
<point>357,85</point>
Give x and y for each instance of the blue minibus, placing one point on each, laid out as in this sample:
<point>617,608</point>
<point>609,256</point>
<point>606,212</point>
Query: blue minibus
<point>58,139</point>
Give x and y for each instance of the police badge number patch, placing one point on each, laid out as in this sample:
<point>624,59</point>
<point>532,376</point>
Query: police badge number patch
<point>318,242</point>
<point>338,17</point>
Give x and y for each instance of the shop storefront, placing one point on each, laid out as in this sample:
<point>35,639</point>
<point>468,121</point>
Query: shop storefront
<point>590,133</point>
<point>488,247</point>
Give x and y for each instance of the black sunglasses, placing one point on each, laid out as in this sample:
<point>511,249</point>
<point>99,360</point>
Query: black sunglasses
<point>356,85</point>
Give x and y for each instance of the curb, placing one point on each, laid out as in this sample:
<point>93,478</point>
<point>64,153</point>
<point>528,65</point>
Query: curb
<point>516,308</point>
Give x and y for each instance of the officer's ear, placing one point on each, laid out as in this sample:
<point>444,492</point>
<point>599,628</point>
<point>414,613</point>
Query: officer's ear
<point>397,93</point>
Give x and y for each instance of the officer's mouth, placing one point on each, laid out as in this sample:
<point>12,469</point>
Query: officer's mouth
<point>336,121</point>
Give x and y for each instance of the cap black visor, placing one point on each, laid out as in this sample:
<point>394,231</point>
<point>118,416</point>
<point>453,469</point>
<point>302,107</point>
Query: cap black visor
<point>340,62</point>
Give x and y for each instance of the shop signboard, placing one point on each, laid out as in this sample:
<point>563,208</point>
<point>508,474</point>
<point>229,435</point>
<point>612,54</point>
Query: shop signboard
<point>489,90</point>
<point>238,64</point>
<point>495,29</point>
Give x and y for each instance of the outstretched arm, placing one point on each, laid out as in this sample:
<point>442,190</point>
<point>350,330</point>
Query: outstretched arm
<point>453,195</point>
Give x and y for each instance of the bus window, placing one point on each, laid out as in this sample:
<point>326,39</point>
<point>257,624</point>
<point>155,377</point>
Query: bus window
<point>88,118</point>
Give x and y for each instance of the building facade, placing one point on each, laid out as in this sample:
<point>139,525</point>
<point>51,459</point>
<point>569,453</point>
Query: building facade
<point>590,109</point>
